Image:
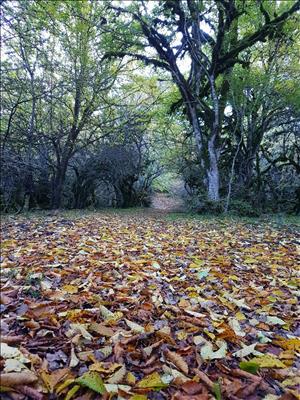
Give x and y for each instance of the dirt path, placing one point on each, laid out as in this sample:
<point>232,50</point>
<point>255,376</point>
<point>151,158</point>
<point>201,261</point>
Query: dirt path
<point>167,202</point>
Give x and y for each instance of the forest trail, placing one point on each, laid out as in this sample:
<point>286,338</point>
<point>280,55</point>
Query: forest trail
<point>167,202</point>
<point>171,201</point>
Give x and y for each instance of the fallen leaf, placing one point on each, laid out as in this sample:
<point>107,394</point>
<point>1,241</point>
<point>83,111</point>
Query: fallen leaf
<point>136,328</point>
<point>13,365</point>
<point>235,325</point>
<point>268,361</point>
<point>207,352</point>
<point>101,329</point>
<point>246,351</point>
<point>118,376</point>
<point>249,366</point>
<point>93,381</point>
<point>152,381</point>
<point>79,328</point>
<point>113,388</point>
<point>192,387</point>
<point>74,361</point>
<point>71,393</point>
<point>12,379</point>
<point>275,321</point>
<point>177,360</point>
<point>71,289</point>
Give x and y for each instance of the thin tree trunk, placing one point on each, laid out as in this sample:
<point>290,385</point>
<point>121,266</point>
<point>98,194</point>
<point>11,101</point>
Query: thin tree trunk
<point>213,172</point>
<point>232,175</point>
<point>59,184</point>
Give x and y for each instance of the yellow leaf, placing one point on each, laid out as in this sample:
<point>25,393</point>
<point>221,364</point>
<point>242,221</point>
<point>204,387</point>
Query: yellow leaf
<point>268,361</point>
<point>130,378</point>
<point>291,381</point>
<point>193,295</point>
<point>100,367</point>
<point>250,260</point>
<point>72,392</point>
<point>114,318</point>
<point>288,344</point>
<point>63,385</point>
<point>240,316</point>
<point>209,334</point>
<point>71,289</point>
<point>181,335</point>
<point>152,381</point>
<point>184,303</point>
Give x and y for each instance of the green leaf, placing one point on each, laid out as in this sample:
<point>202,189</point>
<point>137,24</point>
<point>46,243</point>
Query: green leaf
<point>249,366</point>
<point>93,381</point>
<point>152,381</point>
<point>217,391</point>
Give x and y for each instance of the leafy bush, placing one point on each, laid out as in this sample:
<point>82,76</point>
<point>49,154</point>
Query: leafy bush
<point>200,204</point>
<point>243,209</point>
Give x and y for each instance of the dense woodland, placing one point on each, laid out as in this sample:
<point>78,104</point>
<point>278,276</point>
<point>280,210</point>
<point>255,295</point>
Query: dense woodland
<point>104,101</point>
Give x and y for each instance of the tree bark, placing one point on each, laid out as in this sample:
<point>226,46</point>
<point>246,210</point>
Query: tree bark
<point>213,172</point>
<point>59,181</point>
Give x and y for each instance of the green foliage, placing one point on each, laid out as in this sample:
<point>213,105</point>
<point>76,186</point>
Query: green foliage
<point>199,203</point>
<point>217,391</point>
<point>93,381</point>
<point>243,208</point>
<point>249,366</point>
<point>163,183</point>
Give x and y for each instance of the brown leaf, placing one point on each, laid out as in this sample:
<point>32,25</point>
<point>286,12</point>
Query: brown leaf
<point>101,329</point>
<point>17,378</point>
<point>204,378</point>
<point>30,392</point>
<point>192,387</point>
<point>5,299</point>
<point>12,339</point>
<point>52,379</point>
<point>180,396</point>
<point>177,360</point>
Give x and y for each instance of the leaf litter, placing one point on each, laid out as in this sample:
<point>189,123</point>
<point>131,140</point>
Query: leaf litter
<point>131,307</point>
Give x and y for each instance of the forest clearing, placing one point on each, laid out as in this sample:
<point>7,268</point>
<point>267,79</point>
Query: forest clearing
<point>145,306</point>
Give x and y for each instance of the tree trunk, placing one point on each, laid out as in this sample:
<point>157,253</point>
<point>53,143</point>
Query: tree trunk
<point>59,181</point>
<point>213,172</point>
<point>57,192</point>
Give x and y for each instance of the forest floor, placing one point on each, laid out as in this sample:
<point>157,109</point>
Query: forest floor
<point>148,305</point>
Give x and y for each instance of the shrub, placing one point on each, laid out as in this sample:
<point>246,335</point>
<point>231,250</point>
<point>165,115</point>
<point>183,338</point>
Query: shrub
<point>243,209</point>
<point>200,204</point>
